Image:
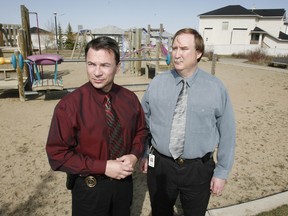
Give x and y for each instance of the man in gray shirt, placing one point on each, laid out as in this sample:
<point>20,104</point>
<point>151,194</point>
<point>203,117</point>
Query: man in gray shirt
<point>181,155</point>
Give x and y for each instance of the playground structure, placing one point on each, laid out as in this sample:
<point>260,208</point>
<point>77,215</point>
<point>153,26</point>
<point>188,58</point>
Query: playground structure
<point>18,64</point>
<point>30,78</point>
<point>142,48</point>
<point>18,37</point>
<point>81,38</point>
<point>34,80</point>
<point>40,83</point>
<point>8,35</point>
<point>148,46</point>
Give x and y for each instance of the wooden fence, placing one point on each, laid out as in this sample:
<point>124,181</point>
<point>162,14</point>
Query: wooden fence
<point>8,34</point>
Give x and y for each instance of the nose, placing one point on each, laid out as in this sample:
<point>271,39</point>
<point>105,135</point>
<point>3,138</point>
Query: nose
<point>177,53</point>
<point>97,71</point>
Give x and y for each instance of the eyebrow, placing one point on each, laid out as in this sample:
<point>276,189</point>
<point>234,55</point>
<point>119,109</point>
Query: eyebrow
<point>181,46</point>
<point>100,63</point>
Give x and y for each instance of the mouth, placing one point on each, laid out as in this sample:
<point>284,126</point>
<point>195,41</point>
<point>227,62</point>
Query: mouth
<point>177,61</point>
<point>98,80</point>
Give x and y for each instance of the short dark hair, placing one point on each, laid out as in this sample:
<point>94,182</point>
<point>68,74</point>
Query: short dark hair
<point>199,42</point>
<point>105,43</point>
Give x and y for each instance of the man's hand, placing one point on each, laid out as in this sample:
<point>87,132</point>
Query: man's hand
<point>121,167</point>
<point>217,186</point>
<point>143,166</point>
<point>129,160</point>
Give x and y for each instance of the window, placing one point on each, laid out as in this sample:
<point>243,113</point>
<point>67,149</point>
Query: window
<point>225,25</point>
<point>255,37</point>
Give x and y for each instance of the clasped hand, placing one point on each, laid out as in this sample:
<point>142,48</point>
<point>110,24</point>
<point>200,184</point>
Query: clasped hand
<point>121,167</point>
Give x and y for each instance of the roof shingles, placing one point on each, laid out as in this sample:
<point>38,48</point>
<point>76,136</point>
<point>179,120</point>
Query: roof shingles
<point>238,10</point>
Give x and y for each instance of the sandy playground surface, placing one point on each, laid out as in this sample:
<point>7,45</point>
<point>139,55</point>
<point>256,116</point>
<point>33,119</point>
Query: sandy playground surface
<point>259,96</point>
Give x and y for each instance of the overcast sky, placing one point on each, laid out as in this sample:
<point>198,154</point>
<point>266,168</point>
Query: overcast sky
<point>124,14</point>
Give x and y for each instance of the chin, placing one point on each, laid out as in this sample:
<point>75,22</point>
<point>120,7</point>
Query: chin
<point>98,85</point>
<point>178,68</point>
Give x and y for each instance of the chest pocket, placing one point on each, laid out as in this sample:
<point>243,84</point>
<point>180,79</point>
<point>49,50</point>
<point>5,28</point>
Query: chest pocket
<point>201,119</point>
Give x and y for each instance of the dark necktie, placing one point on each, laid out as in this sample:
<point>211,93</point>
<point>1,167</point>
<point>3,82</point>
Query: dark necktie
<point>116,139</point>
<point>177,135</point>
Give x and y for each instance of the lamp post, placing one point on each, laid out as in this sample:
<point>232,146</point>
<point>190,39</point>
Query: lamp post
<point>37,30</point>
<point>55,15</point>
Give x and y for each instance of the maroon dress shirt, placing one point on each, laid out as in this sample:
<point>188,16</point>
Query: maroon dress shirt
<point>79,135</point>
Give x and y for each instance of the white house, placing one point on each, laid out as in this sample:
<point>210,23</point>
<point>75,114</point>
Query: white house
<point>235,29</point>
<point>47,39</point>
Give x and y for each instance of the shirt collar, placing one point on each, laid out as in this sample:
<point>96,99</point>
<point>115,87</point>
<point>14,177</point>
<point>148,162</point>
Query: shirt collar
<point>189,80</point>
<point>100,95</point>
<point>178,78</point>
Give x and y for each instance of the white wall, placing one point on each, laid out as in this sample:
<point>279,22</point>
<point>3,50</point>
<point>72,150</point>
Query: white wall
<point>272,26</point>
<point>220,36</point>
<point>236,39</point>
<point>45,41</point>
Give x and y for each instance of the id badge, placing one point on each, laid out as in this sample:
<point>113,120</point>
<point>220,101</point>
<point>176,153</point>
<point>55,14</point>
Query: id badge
<point>151,160</point>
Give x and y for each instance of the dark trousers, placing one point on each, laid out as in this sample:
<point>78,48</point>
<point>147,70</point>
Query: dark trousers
<point>191,181</point>
<point>107,198</point>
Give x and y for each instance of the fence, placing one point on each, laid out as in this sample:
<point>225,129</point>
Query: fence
<point>241,48</point>
<point>8,34</point>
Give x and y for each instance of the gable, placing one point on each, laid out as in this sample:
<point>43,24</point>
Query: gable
<point>283,36</point>
<point>258,30</point>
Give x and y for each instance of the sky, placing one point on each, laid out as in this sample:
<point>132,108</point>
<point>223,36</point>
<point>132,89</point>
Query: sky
<point>125,14</point>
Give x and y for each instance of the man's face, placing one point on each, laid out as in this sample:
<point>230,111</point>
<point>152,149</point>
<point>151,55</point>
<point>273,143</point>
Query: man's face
<point>184,54</point>
<point>101,68</point>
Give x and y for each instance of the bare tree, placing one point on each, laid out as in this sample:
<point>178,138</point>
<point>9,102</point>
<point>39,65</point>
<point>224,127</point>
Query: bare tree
<point>50,40</point>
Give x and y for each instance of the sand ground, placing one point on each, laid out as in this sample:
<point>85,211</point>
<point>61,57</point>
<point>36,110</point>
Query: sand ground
<point>259,96</point>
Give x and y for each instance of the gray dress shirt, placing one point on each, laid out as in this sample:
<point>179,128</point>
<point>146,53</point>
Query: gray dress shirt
<point>210,119</point>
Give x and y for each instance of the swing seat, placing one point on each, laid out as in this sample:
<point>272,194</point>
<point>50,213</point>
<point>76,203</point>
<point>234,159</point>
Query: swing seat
<point>44,59</point>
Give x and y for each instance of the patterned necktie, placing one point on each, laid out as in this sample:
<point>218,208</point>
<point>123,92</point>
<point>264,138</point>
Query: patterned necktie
<point>177,134</point>
<point>116,140</point>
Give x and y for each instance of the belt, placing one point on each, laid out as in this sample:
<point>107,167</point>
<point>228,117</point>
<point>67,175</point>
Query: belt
<point>92,180</point>
<point>180,161</point>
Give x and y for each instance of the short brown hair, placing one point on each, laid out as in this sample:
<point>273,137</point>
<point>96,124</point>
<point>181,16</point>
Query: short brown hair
<point>105,43</point>
<point>199,43</point>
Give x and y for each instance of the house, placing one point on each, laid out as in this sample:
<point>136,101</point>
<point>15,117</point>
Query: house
<point>235,29</point>
<point>42,38</point>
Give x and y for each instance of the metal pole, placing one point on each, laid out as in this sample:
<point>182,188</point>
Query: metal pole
<point>214,59</point>
<point>37,30</point>
<point>38,33</point>
<point>55,15</point>
<point>121,59</point>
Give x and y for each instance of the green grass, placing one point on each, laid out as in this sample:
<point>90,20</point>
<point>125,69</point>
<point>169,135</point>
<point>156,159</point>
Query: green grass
<point>280,211</point>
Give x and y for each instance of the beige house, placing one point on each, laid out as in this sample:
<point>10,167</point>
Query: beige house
<point>235,29</point>
<point>47,39</point>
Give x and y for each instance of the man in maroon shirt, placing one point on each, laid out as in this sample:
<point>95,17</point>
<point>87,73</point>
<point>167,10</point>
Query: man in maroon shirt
<point>79,138</point>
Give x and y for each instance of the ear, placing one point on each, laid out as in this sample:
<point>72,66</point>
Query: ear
<point>199,54</point>
<point>118,67</point>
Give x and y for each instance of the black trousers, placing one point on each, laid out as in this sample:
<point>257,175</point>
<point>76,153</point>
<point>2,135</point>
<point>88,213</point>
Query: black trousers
<point>107,198</point>
<point>191,181</point>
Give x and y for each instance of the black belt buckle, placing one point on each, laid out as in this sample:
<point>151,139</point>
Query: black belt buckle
<point>180,161</point>
<point>90,181</point>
